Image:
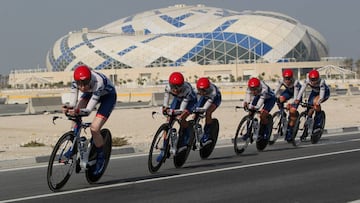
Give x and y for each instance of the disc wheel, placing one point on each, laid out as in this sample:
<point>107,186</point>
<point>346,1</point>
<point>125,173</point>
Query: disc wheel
<point>90,176</point>
<point>206,150</point>
<point>184,146</point>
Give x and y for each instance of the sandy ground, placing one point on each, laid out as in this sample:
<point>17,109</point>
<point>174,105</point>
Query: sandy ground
<point>138,126</point>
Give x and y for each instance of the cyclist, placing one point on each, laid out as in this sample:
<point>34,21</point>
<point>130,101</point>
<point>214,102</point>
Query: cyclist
<point>259,95</point>
<point>209,101</point>
<point>292,88</point>
<point>95,88</point>
<point>184,100</point>
<point>320,92</point>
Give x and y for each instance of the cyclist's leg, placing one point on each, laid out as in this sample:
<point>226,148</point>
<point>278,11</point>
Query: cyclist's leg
<point>317,107</point>
<point>106,106</point>
<point>186,129</point>
<point>264,115</point>
<point>208,120</point>
<point>84,99</point>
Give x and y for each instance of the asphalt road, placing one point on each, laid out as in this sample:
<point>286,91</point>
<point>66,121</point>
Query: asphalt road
<point>324,172</point>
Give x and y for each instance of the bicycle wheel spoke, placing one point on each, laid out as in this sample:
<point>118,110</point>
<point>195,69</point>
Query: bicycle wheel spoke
<point>60,167</point>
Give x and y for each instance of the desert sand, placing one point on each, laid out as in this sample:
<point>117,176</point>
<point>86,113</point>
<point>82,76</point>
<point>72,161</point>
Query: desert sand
<point>138,126</point>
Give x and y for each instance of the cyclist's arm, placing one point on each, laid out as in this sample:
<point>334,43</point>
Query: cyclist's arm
<point>90,105</point>
<point>277,89</point>
<point>297,87</point>
<point>73,95</point>
<point>301,91</point>
<point>97,91</point>
<point>260,102</point>
<point>166,96</point>
<point>184,104</point>
<point>322,91</point>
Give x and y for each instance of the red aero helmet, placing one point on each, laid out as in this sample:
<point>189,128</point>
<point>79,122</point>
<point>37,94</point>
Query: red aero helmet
<point>288,73</point>
<point>203,83</point>
<point>314,75</point>
<point>82,73</point>
<point>254,83</point>
<point>176,78</point>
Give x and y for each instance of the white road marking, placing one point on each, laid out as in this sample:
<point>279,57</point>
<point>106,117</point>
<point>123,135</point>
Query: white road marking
<point>178,176</point>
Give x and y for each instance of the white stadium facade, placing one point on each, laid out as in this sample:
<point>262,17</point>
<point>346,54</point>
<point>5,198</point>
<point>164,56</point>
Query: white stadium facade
<point>196,40</point>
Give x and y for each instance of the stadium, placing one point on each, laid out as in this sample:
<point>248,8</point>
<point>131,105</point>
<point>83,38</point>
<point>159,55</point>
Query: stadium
<point>197,40</point>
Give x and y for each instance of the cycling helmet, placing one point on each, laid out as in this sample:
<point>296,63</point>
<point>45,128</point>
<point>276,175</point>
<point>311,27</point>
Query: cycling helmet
<point>203,83</point>
<point>288,73</point>
<point>254,84</point>
<point>314,76</point>
<point>82,73</point>
<point>176,79</point>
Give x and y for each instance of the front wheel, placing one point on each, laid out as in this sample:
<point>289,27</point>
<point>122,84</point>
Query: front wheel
<point>302,127</point>
<point>206,150</point>
<point>242,135</point>
<point>159,150</point>
<point>277,128</point>
<point>90,177</point>
<point>60,167</point>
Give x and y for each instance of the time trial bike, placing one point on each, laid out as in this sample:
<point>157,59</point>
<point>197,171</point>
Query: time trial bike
<point>249,129</point>
<point>169,140</point>
<point>206,148</point>
<point>307,125</point>
<point>280,126</point>
<point>74,151</point>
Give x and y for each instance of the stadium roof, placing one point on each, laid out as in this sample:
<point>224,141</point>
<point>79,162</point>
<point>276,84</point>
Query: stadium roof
<point>184,35</point>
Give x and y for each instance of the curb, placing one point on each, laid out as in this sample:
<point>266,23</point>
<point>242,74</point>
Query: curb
<point>341,130</point>
<point>5,164</point>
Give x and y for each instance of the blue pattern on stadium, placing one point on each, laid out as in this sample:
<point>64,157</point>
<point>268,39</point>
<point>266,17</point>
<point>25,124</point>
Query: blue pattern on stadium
<point>104,64</point>
<point>176,21</point>
<point>250,43</point>
<point>123,52</point>
<point>67,56</point>
<point>128,29</point>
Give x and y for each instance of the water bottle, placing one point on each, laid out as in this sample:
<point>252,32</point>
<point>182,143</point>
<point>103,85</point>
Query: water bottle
<point>310,124</point>
<point>285,125</point>
<point>83,153</point>
<point>83,144</point>
<point>199,131</point>
<point>255,128</point>
<point>173,138</point>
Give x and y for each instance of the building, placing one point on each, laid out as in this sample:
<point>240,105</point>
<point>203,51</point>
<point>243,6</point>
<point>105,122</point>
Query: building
<point>198,40</point>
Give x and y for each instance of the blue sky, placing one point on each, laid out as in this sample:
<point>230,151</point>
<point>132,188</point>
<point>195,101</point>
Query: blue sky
<point>29,28</point>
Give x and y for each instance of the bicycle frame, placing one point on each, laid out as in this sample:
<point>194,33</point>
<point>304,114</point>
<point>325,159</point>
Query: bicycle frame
<point>198,117</point>
<point>83,151</point>
<point>173,140</point>
<point>249,123</point>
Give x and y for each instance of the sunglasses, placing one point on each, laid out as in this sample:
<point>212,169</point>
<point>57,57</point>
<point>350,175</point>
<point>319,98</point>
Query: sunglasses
<point>287,78</point>
<point>314,79</point>
<point>82,82</point>
<point>175,87</point>
<point>254,88</point>
<point>202,90</point>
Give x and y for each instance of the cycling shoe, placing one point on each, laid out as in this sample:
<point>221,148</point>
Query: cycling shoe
<point>100,163</point>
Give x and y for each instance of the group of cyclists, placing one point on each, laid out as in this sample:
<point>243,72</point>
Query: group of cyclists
<point>97,88</point>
